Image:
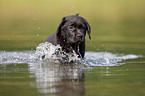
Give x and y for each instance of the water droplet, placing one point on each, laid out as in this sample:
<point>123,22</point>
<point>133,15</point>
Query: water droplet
<point>38,28</point>
<point>26,11</point>
<point>34,19</point>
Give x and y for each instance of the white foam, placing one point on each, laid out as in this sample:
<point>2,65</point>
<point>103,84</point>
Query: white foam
<point>106,58</point>
<point>47,52</point>
<point>15,57</point>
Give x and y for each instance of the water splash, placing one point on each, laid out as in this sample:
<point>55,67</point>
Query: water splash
<point>46,52</point>
<point>15,57</point>
<point>106,59</point>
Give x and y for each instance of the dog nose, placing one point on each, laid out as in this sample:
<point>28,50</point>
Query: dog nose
<point>79,35</point>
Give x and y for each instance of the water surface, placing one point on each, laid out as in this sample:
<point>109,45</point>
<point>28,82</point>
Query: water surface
<point>25,73</point>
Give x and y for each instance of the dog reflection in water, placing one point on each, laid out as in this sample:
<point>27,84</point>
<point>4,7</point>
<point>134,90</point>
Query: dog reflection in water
<point>60,79</point>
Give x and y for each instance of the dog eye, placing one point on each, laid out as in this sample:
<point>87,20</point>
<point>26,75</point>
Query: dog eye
<point>71,27</point>
<point>81,27</point>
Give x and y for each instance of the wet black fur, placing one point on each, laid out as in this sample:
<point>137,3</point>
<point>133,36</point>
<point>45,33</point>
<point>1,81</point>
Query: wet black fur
<point>70,34</point>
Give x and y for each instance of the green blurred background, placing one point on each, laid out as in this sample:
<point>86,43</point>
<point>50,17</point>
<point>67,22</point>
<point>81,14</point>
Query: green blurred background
<point>117,25</point>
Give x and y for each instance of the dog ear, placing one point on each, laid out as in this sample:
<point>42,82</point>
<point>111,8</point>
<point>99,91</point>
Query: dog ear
<point>88,29</point>
<point>62,22</point>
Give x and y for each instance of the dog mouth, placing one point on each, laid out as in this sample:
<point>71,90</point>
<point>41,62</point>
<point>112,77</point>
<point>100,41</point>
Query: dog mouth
<point>78,40</point>
<point>75,40</point>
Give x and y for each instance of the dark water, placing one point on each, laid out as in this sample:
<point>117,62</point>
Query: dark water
<point>23,73</point>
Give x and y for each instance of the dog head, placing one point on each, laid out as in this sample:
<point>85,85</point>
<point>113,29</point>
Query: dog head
<point>73,29</point>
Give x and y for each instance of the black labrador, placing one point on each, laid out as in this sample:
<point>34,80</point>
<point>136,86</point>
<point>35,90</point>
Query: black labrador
<point>70,34</point>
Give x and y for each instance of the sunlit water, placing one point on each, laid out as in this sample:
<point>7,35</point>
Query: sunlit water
<point>46,52</point>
